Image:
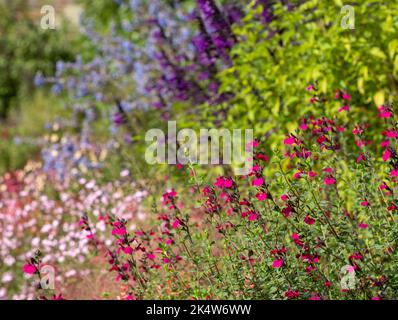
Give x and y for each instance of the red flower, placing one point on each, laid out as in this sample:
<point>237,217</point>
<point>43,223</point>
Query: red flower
<point>290,294</point>
<point>309,220</point>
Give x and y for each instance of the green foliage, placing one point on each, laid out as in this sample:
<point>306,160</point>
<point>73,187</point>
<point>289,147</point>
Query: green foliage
<point>24,128</point>
<point>272,66</point>
<point>25,48</point>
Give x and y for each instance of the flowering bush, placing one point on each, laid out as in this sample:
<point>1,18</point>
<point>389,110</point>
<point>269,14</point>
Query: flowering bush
<point>35,216</point>
<point>314,218</point>
<point>294,227</point>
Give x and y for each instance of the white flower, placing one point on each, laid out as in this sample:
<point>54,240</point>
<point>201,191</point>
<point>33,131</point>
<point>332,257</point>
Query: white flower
<point>7,277</point>
<point>3,293</point>
<point>9,260</point>
<point>124,173</point>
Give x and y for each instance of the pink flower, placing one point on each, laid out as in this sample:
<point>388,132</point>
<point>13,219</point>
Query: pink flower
<point>176,224</point>
<point>340,129</point>
<point>297,175</point>
<point>252,217</point>
<point>261,196</point>
<point>179,166</point>
<point>344,108</point>
<point>376,298</point>
<point>121,231</point>
<point>360,143</point>
<point>277,264</point>
<point>296,239</point>
<point>391,134</point>
<point>284,197</point>
<point>384,143</point>
<point>252,144</point>
<point>166,260</point>
<point>360,158</point>
<point>151,256</point>
<point>289,140</point>
<point>312,174</point>
<point>385,114</point>
<point>258,182</point>
<point>228,183</point>
<point>386,155</point>
<point>316,297</point>
<point>328,170</point>
<point>222,182</point>
<point>364,203</point>
<point>309,88</point>
<point>363,225</point>
<point>303,126</point>
<point>346,96</point>
<point>329,180</point>
<point>394,173</point>
<point>128,250</point>
<point>29,268</point>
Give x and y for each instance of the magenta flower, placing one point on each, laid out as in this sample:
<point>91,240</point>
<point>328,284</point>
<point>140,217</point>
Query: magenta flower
<point>385,114</point>
<point>29,268</point>
<point>312,174</point>
<point>344,108</point>
<point>258,182</point>
<point>261,196</point>
<point>386,155</point>
<point>363,225</point>
<point>329,180</point>
<point>277,264</point>
<point>176,224</point>
<point>252,216</point>
<point>128,250</point>
<point>346,96</point>
<point>390,134</point>
<point>297,175</point>
<point>309,220</point>
<point>394,173</point>
<point>289,140</point>
<point>364,203</point>
<point>384,143</point>
<point>120,231</point>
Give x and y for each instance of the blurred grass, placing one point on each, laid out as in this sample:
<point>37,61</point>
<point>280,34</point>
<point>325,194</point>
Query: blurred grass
<point>20,134</point>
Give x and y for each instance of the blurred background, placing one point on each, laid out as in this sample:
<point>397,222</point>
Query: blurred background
<point>25,49</point>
